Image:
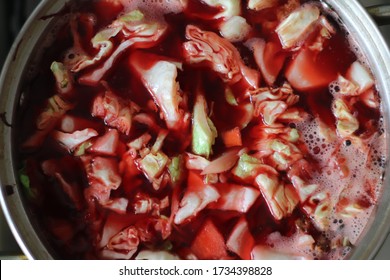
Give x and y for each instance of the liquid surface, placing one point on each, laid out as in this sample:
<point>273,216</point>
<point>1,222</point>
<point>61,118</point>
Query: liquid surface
<point>195,130</point>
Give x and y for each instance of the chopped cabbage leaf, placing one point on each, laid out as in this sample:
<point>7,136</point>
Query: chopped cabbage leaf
<point>219,54</point>
<point>197,196</point>
<point>115,111</point>
<point>118,205</point>
<point>297,25</point>
<point>269,57</point>
<point>158,144</point>
<point>230,98</point>
<point>346,123</point>
<point>271,110</point>
<point>370,98</point>
<point>203,129</point>
<point>230,8</point>
<point>156,255</point>
<point>352,210</point>
<point>235,29</point>
<point>132,25</point>
<point>100,41</point>
<point>325,33</point>
<point>107,144</point>
<point>140,142</point>
<point>132,16</point>
<point>360,76</point>
<point>72,140</point>
<point>103,177</point>
<point>137,30</point>
<point>247,167</point>
<point>77,55</point>
<point>293,115</point>
<point>145,204</point>
<point>319,206</point>
<point>222,163</point>
<point>64,81</point>
<point>153,165</point>
<point>345,87</point>
<point>122,245</point>
<point>276,130</point>
<point>281,199</point>
<point>258,5</point>
<point>280,153</point>
<point>160,80</point>
<point>176,169</point>
<point>304,190</point>
<point>25,181</point>
<point>196,162</point>
<point>235,197</point>
<point>273,104</point>
<point>56,108</point>
<point>240,240</point>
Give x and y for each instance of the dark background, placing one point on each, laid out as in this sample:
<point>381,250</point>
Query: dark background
<point>13,14</point>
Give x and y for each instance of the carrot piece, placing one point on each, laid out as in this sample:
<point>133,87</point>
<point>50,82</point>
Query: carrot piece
<point>209,243</point>
<point>232,138</point>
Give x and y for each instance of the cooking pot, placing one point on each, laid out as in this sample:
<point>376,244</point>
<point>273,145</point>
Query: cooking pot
<point>37,35</point>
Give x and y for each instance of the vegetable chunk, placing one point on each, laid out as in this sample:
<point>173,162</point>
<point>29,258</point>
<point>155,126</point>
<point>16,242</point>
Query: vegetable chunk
<point>160,80</point>
<point>297,25</point>
<point>209,243</point>
<point>203,129</point>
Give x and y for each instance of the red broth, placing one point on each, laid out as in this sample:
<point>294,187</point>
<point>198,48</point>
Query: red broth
<point>201,143</point>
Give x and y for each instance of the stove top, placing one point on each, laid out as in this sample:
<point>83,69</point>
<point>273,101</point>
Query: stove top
<point>12,16</point>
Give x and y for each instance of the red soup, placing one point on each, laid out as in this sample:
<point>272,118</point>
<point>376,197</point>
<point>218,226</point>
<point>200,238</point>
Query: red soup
<point>199,129</point>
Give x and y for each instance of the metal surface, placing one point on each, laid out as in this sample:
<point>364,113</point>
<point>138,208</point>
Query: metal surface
<point>380,12</point>
<point>29,41</point>
<point>12,16</point>
<point>355,17</point>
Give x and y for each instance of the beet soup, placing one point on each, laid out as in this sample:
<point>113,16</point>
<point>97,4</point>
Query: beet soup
<point>200,129</point>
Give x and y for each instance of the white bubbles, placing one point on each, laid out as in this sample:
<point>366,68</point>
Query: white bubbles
<point>347,168</point>
<point>314,139</point>
<point>297,246</point>
<point>334,87</point>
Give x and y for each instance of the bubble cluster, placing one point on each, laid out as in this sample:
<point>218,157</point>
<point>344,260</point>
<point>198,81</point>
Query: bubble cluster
<point>362,167</point>
<point>294,247</point>
<point>334,87</point>
<point>314,139</point>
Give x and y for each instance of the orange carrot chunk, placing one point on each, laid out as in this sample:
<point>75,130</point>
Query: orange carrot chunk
<point>232,138</point>
<point>209,243</point>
